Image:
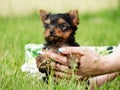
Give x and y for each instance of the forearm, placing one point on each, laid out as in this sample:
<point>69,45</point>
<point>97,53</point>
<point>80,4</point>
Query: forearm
<point>110,64</point>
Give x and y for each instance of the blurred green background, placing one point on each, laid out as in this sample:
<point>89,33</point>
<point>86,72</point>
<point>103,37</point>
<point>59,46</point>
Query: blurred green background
<point>20,24</point>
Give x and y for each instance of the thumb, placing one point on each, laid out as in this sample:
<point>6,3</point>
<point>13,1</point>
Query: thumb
<point>69,50</point>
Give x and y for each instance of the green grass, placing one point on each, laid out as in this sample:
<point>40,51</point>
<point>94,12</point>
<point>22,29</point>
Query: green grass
<point>94,29</point>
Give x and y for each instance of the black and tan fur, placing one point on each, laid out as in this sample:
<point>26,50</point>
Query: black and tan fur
<point>59,31</point>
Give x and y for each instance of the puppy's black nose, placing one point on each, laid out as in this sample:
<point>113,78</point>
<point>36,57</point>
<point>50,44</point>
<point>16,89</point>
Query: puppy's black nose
<point>51,32</point>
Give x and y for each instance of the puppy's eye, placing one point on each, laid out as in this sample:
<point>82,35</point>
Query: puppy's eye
<point>61,25</point>
<point>64,26</point>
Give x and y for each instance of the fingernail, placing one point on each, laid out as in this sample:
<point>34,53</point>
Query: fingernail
<point>41,52</point>
<point>61,49</point>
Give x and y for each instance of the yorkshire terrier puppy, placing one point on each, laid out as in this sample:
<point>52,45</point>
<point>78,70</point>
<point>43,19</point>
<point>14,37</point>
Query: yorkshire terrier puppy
<point>59,31</point>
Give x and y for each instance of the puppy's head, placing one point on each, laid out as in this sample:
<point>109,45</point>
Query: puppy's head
<point>59,27</point>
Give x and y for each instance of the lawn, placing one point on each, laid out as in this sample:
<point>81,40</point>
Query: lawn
<point>98,29</point>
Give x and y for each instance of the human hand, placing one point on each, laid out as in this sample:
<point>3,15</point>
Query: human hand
<point>89,62</point>
<point>59,64</point>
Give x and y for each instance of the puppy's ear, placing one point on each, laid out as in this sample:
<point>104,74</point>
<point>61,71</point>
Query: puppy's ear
<point>43,15</point>
<point>74,16</point>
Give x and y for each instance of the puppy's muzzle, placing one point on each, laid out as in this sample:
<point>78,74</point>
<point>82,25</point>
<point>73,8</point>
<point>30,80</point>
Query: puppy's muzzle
<point>52,32</point>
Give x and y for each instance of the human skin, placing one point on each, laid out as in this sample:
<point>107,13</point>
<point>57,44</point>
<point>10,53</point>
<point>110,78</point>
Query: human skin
<point>92,64</point>
<point>100,80</point>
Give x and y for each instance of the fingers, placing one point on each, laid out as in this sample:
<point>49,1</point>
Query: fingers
<point>67,76</point>
<point>69,50</point>
<point>57,57</point>
<point>61,71</point>
<point>61,68</point>
<point>62,75</point>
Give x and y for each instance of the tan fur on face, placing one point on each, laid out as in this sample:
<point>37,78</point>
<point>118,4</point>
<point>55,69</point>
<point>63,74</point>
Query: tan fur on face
<point>58,33</point>
<point>60,21</point>
<point>65,35</point>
